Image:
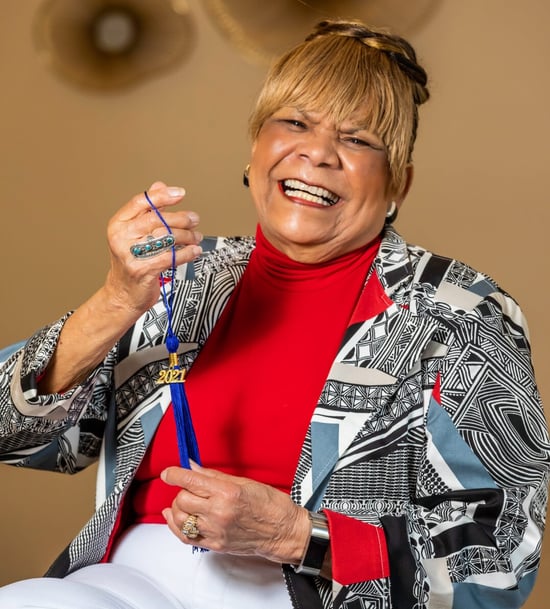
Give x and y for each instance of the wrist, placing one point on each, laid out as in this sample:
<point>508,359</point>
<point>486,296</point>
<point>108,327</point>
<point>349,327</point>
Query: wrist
<point>117,298</point>
<point>317,546</point>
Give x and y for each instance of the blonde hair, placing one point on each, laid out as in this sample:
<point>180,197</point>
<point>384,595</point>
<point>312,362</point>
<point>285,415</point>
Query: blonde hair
<point>345,68</point>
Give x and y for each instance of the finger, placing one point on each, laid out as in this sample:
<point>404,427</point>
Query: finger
<point>176,527</point>
<point>179,219</point>
<point>176,520</point>
<point>179,476</point>
<point>210,473</point>
<point>156,185</point>
<point>176,476</point>
<point>186,502</point>
<point>162,261</point>
<point>161,197</point>
<point>194,482</point>
<point>196,473</point>
<point>149,223</point>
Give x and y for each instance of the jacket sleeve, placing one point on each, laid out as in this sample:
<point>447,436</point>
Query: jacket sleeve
<point>475,526</point>
<point>358,549</point>
<point>59,432</point>
<point>475,456</point>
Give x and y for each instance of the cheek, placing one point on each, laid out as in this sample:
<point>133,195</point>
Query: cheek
<point>263,180</point>
<point>268,151</point>
<point>371,182</point>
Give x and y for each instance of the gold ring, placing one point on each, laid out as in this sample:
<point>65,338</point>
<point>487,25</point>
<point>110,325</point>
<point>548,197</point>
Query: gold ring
<point>189,528</point>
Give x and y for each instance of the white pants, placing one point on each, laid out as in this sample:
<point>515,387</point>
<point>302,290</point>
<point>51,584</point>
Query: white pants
<point>152,569</point>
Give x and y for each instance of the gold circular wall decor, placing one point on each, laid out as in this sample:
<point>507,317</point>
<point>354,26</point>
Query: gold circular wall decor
<point>263,30</point>
<point>109,44</point>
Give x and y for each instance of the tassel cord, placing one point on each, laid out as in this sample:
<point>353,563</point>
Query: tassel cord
<point>168,299</point>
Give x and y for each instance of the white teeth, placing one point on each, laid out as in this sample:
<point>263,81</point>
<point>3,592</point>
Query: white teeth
<point>315,194</point>
<point>306,196</point>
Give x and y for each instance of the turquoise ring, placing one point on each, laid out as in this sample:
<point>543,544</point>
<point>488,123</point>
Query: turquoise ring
<point>152,246</point>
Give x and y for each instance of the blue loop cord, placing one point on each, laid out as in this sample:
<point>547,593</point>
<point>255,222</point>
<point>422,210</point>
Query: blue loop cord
<point>172,342</point>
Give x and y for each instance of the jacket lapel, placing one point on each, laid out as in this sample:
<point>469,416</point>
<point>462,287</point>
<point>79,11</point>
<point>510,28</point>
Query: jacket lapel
<point>376,355</point>
<point>140,402</point>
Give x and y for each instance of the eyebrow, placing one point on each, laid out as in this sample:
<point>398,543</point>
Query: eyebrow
<point>306,115</point>
<point>350,130</point>
<point>347,131</point>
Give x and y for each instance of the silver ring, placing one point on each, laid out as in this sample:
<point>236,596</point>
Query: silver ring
<point>189,528</point>
<point>152,246</point>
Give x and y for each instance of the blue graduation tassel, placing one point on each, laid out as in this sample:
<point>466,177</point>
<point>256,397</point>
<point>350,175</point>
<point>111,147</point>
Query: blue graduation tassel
<point>187,441</point>
<point>175,375</point>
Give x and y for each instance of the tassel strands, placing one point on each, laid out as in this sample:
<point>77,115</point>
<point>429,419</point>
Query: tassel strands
<point>187,441</point>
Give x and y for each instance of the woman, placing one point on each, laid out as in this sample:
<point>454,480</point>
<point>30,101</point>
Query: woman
<point>366,411</point>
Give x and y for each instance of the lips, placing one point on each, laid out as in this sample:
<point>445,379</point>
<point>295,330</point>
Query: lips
<point>308,192</point>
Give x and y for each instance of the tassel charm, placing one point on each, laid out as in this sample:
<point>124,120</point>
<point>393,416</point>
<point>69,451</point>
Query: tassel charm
<point>173,374</point>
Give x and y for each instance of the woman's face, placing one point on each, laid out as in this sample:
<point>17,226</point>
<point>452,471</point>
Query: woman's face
<point>320,190</point>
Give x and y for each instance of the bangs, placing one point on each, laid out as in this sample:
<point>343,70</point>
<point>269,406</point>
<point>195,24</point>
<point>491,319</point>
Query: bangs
<point>336,79</point>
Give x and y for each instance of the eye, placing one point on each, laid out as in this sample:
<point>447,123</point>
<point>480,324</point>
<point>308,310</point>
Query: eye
<point>358,142</point>
<point>294,122</point>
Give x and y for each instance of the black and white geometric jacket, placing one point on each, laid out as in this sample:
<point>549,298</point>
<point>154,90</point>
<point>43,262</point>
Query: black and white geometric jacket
<point>435,429</point>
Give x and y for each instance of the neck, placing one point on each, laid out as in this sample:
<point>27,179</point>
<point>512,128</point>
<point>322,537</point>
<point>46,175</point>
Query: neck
<point>313,253</point>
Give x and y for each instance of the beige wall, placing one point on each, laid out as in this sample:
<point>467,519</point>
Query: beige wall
<point>70,157</point>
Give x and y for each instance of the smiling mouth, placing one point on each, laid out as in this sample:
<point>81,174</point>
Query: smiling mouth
<point>307,192</point>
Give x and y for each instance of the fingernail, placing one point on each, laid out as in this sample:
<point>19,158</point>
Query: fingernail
<point>165,513</point>
<point>196,250</point>
<point>174,191</point>
<point>163,475</point>
<point>193,217</point>
<point>198,236</point>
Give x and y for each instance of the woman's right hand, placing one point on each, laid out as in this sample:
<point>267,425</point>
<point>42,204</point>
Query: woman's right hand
<point>133,283</point>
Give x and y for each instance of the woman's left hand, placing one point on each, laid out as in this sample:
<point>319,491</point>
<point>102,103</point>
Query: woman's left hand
<point>237,515</point>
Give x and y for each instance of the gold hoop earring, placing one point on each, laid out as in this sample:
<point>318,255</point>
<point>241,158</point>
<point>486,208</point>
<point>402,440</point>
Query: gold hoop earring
<point>245,175</point>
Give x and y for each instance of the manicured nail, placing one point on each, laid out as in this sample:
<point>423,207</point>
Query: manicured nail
<point>174,191</point>
<point>196,250</point>
<point>193,217</point>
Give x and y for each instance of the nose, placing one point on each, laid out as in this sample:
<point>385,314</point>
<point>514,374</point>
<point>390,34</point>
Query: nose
<point>319,147</point>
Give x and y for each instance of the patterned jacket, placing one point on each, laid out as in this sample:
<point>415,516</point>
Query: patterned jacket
<point>429,426</point>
